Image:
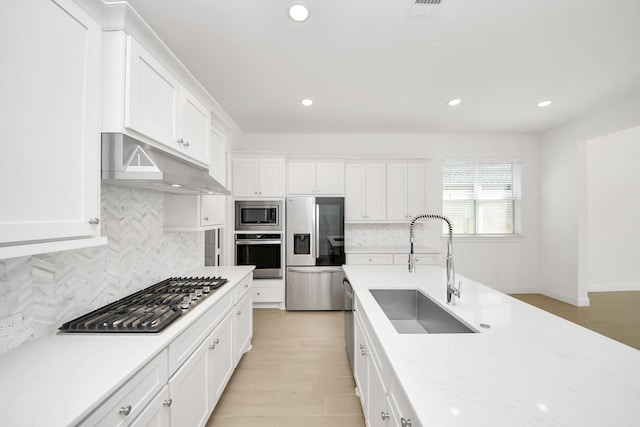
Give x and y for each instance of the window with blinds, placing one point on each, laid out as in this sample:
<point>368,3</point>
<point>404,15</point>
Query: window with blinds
<point>482,198</point>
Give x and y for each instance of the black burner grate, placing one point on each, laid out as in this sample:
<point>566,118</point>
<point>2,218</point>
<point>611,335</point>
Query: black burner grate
<point>148,310</point>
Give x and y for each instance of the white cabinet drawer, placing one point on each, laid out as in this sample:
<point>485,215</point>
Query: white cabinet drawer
<point>421,259</point>
<point>157,412</point>
<point>369,259</point>
<point>182,347</point>
<point>271,294</point>
<point>130,399</point>
<point>242,288</point>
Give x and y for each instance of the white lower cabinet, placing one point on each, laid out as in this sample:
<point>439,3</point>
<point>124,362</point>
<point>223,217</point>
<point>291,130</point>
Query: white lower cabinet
<point>189,390</point>
<point>221,358</point>
<point>131,399</point>
<point>384,403</point>
<point>244,326</point>
<point>374,259</point>
<point>157,412</point>
<point>182,385</point>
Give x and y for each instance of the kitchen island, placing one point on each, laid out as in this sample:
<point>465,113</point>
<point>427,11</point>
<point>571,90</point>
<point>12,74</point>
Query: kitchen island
<point>115,379</point>
<point>528,368</point>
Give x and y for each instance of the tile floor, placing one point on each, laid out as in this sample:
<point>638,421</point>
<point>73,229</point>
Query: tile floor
<point>296,374</point>
<point>613,314</point>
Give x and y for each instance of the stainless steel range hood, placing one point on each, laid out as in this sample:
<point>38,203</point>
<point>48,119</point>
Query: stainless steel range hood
<point>127,161</point>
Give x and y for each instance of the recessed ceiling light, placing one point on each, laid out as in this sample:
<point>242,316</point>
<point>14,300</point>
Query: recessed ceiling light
<point>455,102</point>
<point>298,12</point>
<point>176,185</point>
<point>307,102</point>
<point>544,103</point>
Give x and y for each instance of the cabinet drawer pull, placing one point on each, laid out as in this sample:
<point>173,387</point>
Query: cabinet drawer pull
<point>94,221</point>
<point>180,141</point>
<point>213,345</point>
<point>125,410</point>
<point>186,143</point>
<point>384,415</point>
<point>206,218</point>
<point>167,402</point>
<point>405,422</point>
<point>239,313</point>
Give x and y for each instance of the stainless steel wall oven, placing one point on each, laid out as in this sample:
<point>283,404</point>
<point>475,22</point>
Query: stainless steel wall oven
<point>262,250</point>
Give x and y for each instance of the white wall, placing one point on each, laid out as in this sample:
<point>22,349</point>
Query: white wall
<point>563,187</point>
<point>510,266</point>
<point>613,212</point>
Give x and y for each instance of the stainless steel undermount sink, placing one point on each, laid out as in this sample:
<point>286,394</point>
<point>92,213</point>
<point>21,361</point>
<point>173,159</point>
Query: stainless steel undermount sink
<point>412,312</point>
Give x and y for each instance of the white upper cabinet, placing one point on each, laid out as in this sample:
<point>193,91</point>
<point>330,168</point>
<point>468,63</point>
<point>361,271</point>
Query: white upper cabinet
<point>316,178</point>
<point>193,135</point>
<point>50,108</point>
<point>366,192</point>
<point>143,99</point>
<point>152,95</point>
<point>406,190</point>
<point>258,177</point>
<point>218,163</point>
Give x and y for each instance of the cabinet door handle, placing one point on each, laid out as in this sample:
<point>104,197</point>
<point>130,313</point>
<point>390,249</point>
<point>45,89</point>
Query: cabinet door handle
<point>94,221</point>
<point>180,141</point>
<point>125,410</point>
<point>405,422</point>
<point>384,415</point>
<point>213,344</point>
<point>239,313</point>
<point>206,218</point>
<point>167,402</point>
<point>186,143</point>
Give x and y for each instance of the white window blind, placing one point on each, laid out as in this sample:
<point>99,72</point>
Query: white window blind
<point>482,198</point>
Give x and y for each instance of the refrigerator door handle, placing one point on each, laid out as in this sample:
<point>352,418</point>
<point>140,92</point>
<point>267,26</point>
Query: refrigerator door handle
<point>317,231</point>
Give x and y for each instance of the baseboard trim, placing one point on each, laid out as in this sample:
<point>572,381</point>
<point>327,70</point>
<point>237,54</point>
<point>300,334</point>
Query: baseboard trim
<point>613,287</point>
<point>581,301</point>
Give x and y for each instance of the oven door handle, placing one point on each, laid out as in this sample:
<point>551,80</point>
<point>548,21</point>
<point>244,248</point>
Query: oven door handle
<point>258,242</point>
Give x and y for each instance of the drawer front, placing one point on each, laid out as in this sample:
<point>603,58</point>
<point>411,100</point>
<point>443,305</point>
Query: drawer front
<point>374,259</point>
<point>421,259</point>
<point>181,348</point>
<point>243,287</point>
<point>130,399</point>
<point>268,294</point>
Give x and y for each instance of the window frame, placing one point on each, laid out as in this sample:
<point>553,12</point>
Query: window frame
<point>516,198</point>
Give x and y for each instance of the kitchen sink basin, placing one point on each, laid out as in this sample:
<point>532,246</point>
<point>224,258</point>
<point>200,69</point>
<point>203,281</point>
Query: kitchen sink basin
<point>412,312</point>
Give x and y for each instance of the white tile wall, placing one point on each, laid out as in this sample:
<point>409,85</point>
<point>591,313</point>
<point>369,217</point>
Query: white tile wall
<point>381,234</point>
<point>50,289</point>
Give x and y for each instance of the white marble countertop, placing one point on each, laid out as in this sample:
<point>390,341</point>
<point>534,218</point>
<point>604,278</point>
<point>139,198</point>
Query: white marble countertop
<point>530,368</point>
<point>404,249</point>
<point>57,380</point>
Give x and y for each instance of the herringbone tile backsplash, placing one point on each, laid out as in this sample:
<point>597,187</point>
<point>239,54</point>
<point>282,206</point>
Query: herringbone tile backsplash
<point>50,289</point>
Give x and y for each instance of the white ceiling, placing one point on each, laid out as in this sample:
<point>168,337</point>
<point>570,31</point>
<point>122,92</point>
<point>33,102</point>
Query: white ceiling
<point>370,67</point>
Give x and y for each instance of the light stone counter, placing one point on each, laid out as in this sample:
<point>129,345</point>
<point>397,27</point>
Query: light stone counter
<point>57,380</point>
<point>530,368</point>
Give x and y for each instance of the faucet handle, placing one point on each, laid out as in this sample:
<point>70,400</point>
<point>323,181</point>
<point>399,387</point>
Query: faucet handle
<point>459,291</point>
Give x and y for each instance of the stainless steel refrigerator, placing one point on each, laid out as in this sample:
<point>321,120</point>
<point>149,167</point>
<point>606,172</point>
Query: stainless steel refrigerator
<point>315,253</point>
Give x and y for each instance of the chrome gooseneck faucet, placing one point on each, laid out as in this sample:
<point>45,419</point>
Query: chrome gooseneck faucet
<point>452,291</point>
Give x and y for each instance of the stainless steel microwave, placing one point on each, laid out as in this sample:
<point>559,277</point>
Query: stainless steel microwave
<point>257,215</point>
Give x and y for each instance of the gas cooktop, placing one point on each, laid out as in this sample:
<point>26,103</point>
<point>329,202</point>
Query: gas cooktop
<point>149,310</point>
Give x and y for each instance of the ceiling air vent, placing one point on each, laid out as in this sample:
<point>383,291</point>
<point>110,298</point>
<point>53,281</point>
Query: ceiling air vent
<point>424,8</point>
